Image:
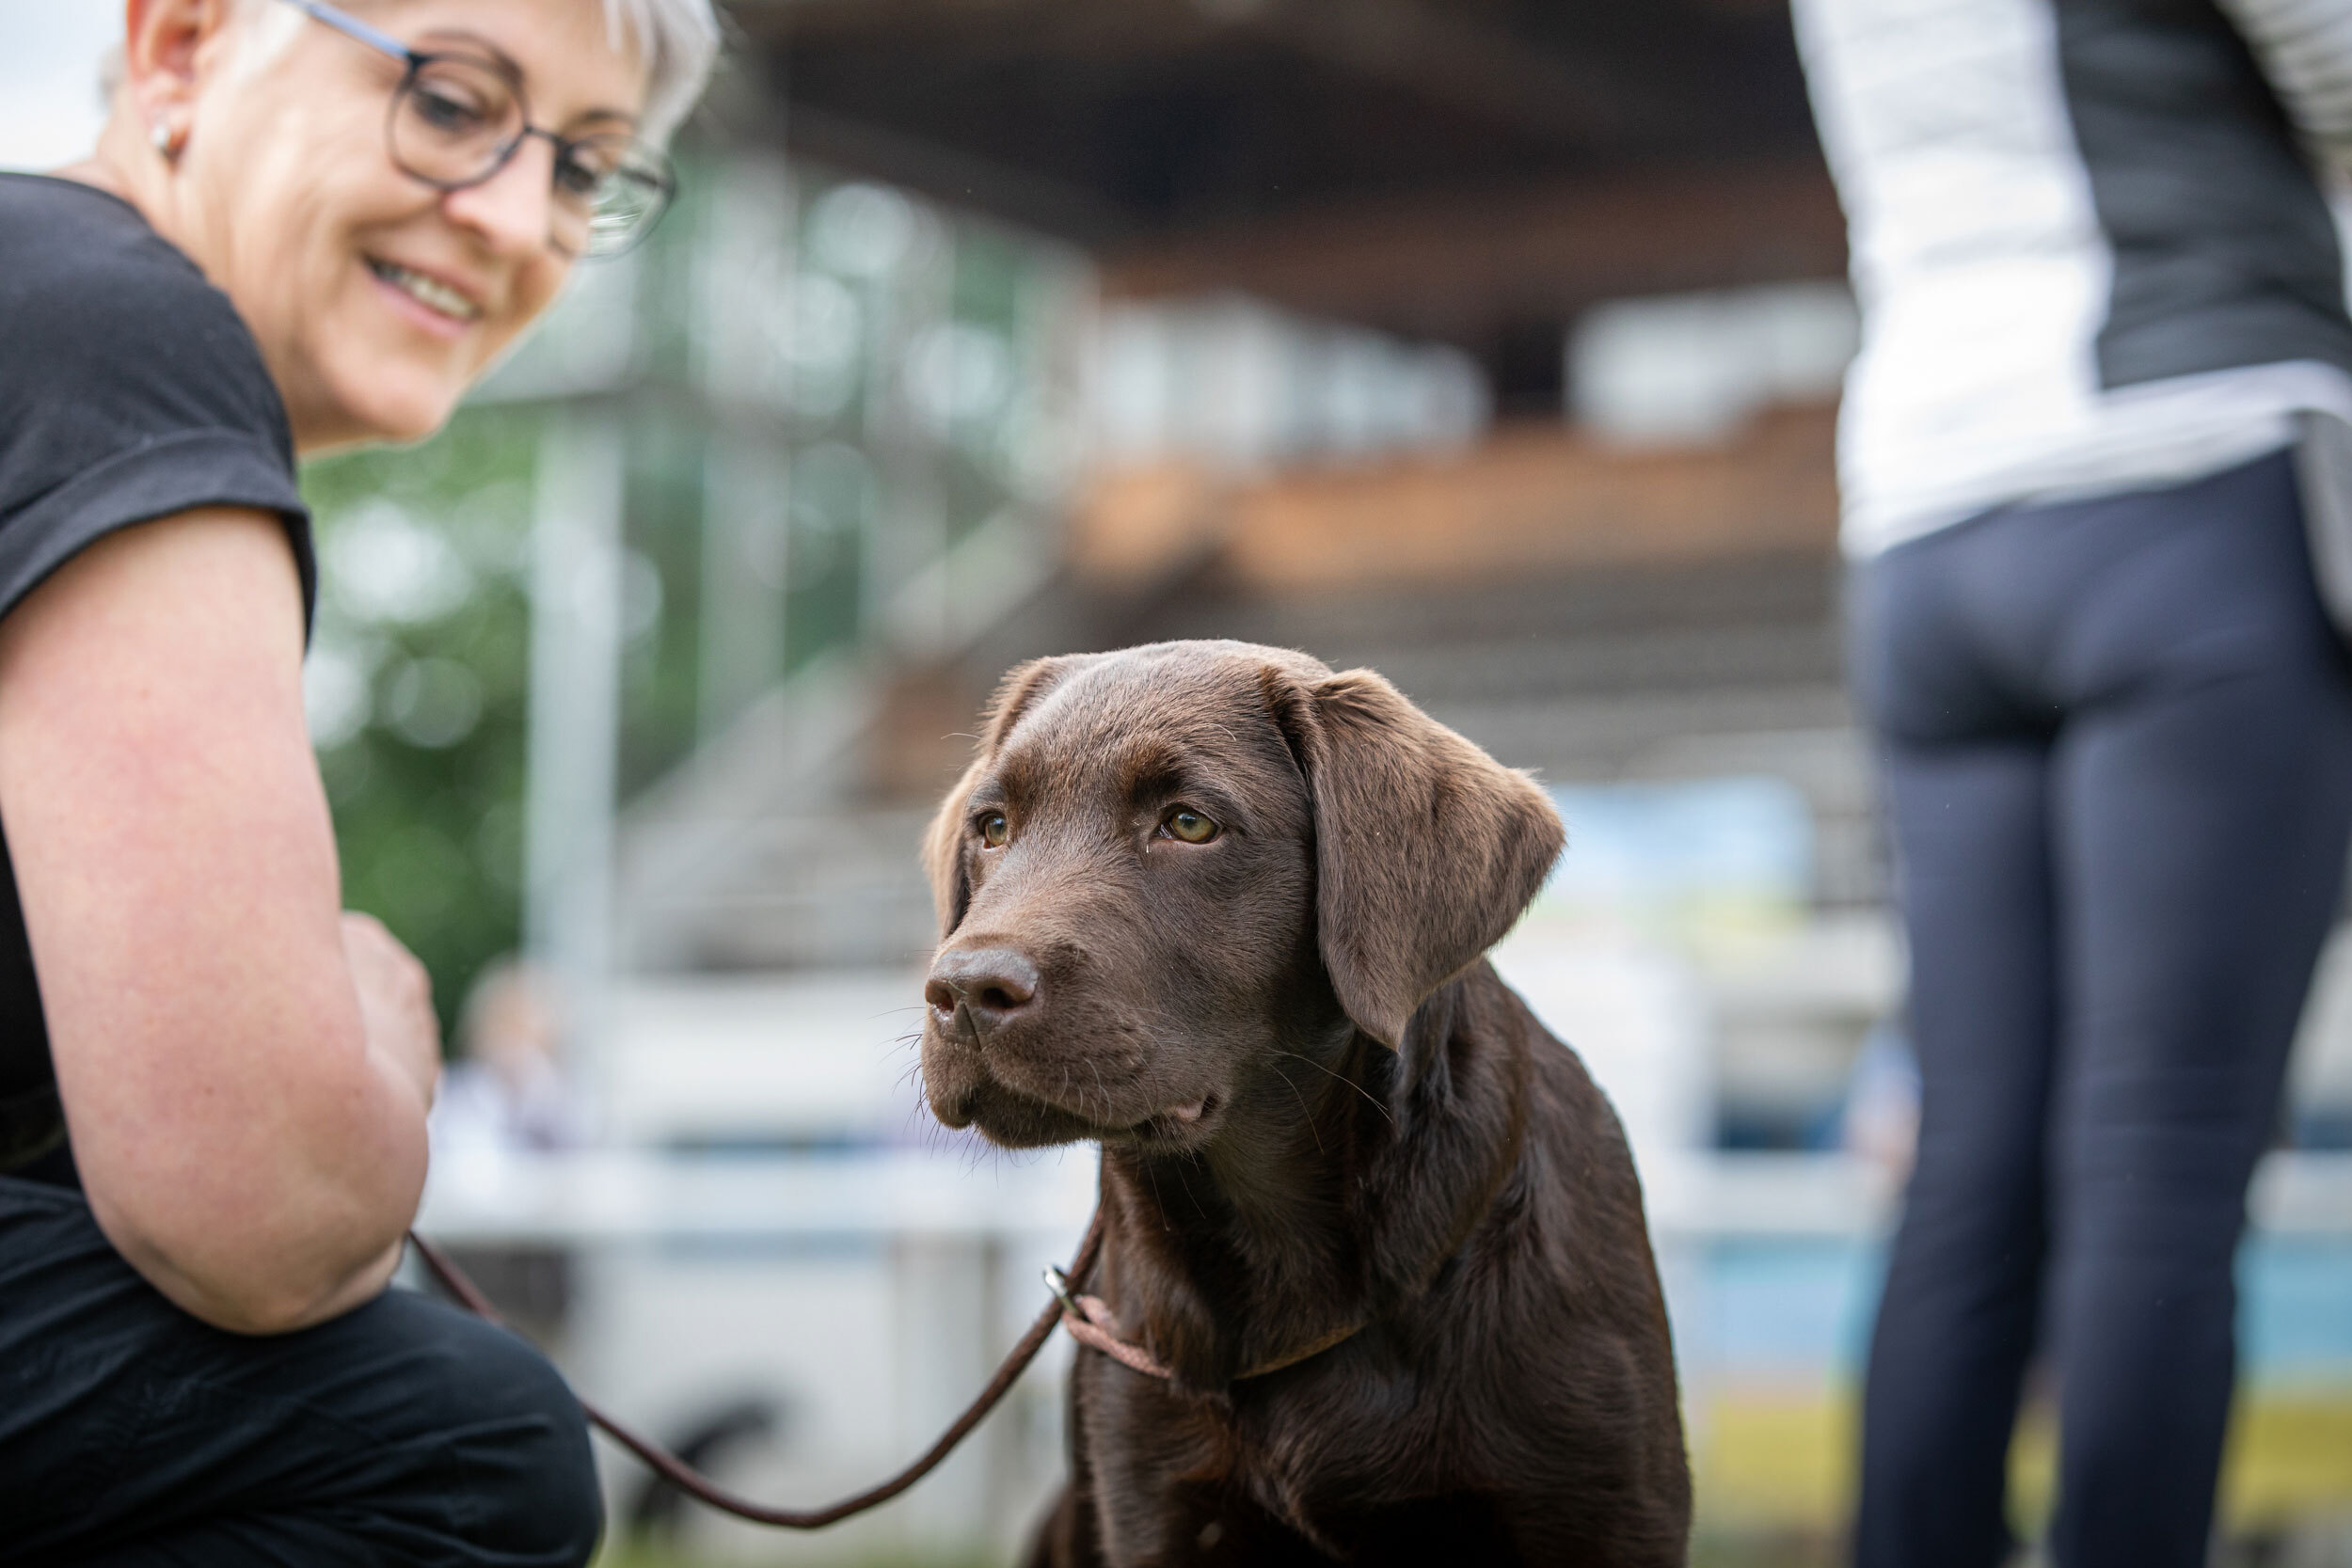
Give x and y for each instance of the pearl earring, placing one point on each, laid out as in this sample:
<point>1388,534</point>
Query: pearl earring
<point>164,139</point>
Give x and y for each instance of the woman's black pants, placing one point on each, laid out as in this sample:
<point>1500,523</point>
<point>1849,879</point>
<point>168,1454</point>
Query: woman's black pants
<point>2118,753</point>
<point>132,1435</point>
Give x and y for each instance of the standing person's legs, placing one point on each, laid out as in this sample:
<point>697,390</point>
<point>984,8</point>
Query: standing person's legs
<point>1967,787</point>
<point>2204,790</point>
<point>402,1433</point>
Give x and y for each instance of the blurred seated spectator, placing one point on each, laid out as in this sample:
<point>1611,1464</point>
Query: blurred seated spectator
<point>508,1095</point>
<point>508,1092</point>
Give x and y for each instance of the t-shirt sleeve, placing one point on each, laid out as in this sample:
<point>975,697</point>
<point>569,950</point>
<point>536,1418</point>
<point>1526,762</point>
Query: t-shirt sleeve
<point>130,389</point>
<point>2304,48</point>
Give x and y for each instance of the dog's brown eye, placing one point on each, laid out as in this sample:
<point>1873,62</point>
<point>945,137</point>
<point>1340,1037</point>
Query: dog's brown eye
<point>1189,825</point>
<point>994,830</point>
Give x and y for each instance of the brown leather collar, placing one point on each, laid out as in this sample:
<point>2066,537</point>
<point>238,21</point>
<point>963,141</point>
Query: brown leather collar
<point>1091,1322</point>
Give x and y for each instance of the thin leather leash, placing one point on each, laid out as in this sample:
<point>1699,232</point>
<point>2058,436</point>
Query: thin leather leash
<point>1089,1320</point>
<point>1063,1312</point>
<point>1086,1318</point>
<point>694,1484</point>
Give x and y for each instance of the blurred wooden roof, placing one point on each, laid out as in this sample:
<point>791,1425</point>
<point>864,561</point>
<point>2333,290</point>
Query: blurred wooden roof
<point>1467,169</point>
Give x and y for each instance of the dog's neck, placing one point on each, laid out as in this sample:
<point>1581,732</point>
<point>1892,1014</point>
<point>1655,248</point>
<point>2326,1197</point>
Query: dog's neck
<point>1335,1190</point>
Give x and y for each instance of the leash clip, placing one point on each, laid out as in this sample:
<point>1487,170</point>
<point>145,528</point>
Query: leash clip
<point>1059,1283</point>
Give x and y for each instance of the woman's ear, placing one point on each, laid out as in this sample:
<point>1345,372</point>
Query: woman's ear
<point>1427,848</point>
<point>168,45</point>
<point>943,845</point>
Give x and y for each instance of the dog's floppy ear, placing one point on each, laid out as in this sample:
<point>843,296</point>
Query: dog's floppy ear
<point>1427,848</point>
<point>943,841</point>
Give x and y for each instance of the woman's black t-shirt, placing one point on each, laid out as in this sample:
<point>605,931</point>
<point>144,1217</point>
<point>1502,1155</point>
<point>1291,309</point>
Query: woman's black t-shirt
<point>130,389</point>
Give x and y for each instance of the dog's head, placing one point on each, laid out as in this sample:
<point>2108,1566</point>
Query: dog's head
<point>1169,865</point>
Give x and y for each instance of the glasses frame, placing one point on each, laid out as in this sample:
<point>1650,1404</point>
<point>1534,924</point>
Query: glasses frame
<point>413,61</point>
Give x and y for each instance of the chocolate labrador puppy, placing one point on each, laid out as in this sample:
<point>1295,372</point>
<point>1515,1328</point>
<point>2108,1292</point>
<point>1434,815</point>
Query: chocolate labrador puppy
<point>1373,1252</point>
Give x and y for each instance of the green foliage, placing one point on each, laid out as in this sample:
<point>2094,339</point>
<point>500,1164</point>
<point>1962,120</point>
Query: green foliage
<point>661,654</point>
<point>418,678</point>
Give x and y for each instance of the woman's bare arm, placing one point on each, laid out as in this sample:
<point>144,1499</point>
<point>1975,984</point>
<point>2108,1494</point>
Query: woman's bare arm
<point>250,1131</point>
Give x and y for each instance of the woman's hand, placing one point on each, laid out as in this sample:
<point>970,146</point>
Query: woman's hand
<point>395,1001</point>
<point>245,1072</point>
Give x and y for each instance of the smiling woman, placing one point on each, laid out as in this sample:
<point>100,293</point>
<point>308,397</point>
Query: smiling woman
<point>305,226</point>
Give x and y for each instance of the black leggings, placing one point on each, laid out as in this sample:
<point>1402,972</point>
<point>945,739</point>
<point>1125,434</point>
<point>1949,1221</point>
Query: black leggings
<point>2118,749</point>
<point>134,1436</point>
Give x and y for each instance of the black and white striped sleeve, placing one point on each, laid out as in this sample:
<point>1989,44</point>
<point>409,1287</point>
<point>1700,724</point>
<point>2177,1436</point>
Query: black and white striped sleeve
<point>2305,49</point>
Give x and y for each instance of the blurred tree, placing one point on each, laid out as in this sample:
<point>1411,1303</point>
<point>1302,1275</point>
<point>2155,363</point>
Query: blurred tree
<point>417,684</point>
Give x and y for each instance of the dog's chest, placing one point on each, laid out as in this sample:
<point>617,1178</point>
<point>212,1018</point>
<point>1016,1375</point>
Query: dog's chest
<point>1279,1466</point>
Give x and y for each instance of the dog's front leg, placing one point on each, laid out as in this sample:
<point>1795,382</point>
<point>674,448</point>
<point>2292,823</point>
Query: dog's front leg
<point>1065,1537</point>
<point>1165,1474</point>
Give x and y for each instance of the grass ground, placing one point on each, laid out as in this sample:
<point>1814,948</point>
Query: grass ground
<point>1770,1468</point>
<point>1794,1549</point>
<point>1795,1552</point>
<point>642,1554</point>
<point>1775,1480</point>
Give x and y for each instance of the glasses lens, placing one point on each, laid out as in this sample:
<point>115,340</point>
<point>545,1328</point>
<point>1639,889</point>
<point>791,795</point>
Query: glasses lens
<point>610,191</point>
<point>454,121</point>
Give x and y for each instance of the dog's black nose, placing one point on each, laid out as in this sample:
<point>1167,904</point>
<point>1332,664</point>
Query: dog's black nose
<point>996,983</point>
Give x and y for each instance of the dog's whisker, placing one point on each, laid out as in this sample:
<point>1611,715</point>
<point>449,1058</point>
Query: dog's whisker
<point>1158,1200</point>
<point>1192,1158</point>
<point>1304,1114</point>
<point>1342,1077</point>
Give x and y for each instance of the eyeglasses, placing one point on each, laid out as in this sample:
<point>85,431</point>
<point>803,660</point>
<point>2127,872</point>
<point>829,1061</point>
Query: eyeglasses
<point>456,119</point>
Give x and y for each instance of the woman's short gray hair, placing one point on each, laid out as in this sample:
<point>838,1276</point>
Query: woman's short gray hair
<point>679,40</point>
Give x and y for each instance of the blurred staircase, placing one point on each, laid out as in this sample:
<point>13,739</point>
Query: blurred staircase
<point>1722,667</point>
